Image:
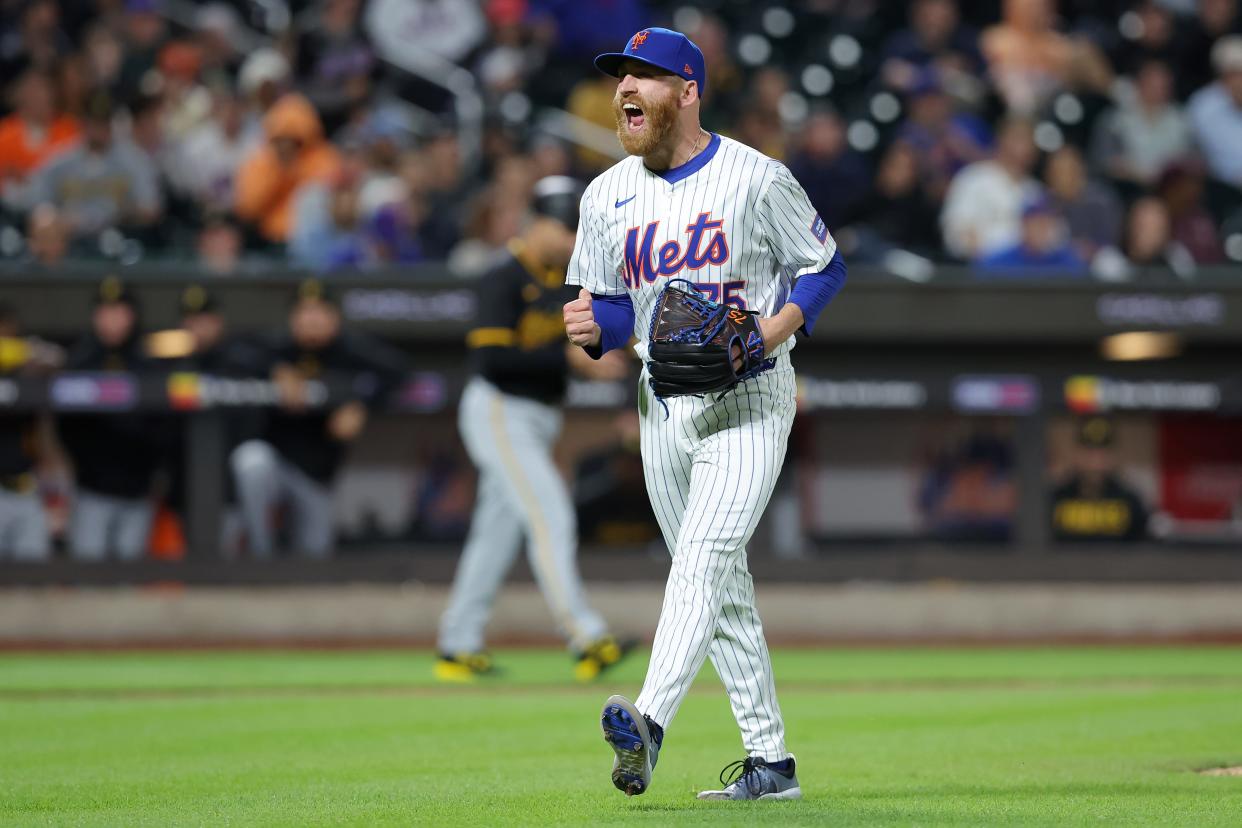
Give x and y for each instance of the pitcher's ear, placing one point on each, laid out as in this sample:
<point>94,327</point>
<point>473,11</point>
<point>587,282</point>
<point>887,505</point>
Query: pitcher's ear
<point>686,95</point>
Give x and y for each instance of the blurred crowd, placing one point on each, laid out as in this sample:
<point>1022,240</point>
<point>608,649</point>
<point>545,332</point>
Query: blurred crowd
<point>1026,136</point>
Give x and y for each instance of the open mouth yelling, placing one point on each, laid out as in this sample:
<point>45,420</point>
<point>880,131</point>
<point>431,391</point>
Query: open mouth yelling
<point>634,118</point>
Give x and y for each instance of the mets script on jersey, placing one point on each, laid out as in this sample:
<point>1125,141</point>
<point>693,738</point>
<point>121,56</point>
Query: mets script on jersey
<point>732,221</point>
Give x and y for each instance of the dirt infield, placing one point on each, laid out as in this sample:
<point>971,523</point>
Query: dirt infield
<point>386,615</point>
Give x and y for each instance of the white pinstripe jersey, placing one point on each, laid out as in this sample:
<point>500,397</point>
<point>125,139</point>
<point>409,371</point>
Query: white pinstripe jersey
<point>732,220</point>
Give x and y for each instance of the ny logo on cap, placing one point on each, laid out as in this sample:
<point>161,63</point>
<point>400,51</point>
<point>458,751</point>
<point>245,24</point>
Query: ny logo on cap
<point>639,40</point>
<point>687,69</point>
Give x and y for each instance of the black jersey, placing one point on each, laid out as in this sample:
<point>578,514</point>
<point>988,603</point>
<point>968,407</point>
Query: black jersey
<point>519,342</point>
<point>374,370</point>
<point>18,429</point>
<point>1111,512</point>
<point>114,453</point>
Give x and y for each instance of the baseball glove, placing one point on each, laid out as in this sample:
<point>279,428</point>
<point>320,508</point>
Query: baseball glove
<point>691,344</point>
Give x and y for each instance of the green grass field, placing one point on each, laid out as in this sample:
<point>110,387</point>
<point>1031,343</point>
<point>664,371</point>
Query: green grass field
<point>893,737</point>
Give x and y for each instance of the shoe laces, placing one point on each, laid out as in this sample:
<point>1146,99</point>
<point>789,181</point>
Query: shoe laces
<point>745,772</point>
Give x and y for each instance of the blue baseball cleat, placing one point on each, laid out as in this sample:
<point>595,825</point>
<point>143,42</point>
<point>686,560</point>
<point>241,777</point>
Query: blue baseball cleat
<point>636,741</point>
<point>753,778</point>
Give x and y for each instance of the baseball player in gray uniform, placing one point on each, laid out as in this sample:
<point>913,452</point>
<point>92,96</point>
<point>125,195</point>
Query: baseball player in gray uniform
<point>509,418</point>
<point>691,205</point>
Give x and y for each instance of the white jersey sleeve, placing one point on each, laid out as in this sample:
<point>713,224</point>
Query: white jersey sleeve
<point>798,237</point>
<point>590,266</point>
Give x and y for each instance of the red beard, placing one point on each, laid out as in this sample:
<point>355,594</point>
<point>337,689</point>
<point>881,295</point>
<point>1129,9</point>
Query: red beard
<point>653,127</point>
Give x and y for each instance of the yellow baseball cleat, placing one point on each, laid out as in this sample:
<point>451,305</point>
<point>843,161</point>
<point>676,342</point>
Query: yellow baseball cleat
<point>599,656</point>
<point>464,668</point>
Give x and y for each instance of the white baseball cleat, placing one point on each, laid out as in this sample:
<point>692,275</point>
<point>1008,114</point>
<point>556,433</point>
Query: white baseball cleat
<point>753,778</point>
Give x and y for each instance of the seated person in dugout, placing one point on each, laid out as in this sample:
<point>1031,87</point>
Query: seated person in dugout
<point>1094,504</point>
<point>302,447</point>
<point>24,445</point>
<point>115,454</point>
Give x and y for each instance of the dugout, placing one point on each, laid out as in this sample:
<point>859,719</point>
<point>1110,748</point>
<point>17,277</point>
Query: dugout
<point>913,395</point>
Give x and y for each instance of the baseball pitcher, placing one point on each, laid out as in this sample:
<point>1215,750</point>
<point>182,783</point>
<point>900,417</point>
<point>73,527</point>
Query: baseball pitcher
<point>709,254</point>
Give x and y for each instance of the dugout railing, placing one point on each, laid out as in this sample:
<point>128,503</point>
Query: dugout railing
<point>1023,351</point>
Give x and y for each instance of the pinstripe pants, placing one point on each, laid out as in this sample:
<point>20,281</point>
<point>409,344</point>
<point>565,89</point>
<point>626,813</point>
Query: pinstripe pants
<point>710,469</point>
<point>521,495</point>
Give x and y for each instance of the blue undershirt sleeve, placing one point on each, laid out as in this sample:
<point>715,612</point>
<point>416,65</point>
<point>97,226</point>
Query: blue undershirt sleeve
<point>813,291</point>
<point>615,317</point>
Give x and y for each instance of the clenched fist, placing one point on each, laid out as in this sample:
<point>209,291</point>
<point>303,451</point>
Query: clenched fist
<point>580,321</point>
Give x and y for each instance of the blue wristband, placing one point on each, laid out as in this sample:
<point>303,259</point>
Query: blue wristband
<point>813,291</point>
<point>615,317</point>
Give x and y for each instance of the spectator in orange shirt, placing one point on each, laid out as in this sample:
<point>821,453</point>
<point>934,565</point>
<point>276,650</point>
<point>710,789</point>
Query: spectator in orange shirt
<point>294,154</point>
<point>32,134</point>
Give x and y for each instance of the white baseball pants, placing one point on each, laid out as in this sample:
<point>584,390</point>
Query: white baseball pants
<point>711,466</point>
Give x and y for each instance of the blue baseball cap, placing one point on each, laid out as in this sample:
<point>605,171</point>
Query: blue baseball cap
<point>663,48</point>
